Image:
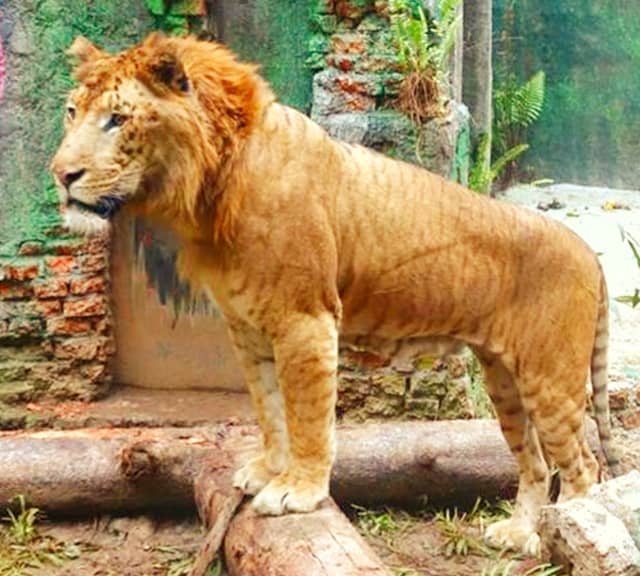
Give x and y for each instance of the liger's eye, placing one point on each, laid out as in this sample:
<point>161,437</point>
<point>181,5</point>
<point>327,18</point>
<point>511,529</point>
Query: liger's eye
<point>71,112</point>
<point>115,121</point>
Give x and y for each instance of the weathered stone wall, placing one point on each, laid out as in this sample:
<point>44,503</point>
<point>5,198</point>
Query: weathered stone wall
<point>56,335</point>
<point>356,85</point>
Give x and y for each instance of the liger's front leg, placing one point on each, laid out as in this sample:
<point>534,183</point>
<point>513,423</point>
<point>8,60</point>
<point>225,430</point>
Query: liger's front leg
<point>306,354</point>
<point>260,376</point>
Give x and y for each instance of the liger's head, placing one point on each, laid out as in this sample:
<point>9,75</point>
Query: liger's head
<point>150,126</point>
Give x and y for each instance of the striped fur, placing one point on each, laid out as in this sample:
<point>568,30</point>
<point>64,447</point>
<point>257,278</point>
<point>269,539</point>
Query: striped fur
<point>307,244</point>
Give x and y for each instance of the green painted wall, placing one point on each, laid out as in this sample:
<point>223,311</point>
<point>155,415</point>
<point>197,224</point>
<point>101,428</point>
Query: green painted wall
<point>35,35</point>
<point>590,51</point>
<point>276,34</point>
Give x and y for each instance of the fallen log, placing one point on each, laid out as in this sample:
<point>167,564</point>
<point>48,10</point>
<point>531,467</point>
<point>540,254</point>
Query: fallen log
<point>124,470</point>
<point>217,501</point>
<point>321,543</point>
<point>91,471</point>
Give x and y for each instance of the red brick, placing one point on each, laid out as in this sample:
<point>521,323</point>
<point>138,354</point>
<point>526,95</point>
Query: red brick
<point>630,420</point>
<point>19,272</point>
<point>61,326</point>
<point>51,288</point>
<point>87,285</point>
<point>13,291</point>
<point>91,305</point>
<point>93,263</point>
<point>81,348</point>
<point>48,307</point>
<point>61,264</point>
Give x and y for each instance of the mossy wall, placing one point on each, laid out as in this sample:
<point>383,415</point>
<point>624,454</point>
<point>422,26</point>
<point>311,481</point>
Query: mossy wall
<point>590,52</point>
<point>276,34</point>
<point>35,35</point>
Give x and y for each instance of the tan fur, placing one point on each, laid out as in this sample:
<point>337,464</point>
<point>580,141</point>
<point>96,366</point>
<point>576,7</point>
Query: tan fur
<point>301,239</point>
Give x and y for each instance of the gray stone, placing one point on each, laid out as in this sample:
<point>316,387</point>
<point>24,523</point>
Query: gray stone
<point>21,43</point>
<point>432,146</point>
<point>621,497</point>
<point>584,537</point>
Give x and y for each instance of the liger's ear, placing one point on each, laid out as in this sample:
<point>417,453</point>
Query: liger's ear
<point>83,51</point>
<point>164,65</point>
<point>167,69</point>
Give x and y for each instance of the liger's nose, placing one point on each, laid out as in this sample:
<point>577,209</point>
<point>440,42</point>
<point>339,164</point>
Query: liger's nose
<point>69,177</point>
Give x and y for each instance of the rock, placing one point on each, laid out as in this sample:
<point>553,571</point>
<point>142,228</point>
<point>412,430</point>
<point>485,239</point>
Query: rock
<point>585,538</point>
<point>391,132</point>
<point>621,497</point>
<point>553,204</point>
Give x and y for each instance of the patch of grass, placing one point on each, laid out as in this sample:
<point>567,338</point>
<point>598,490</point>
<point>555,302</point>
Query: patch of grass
<point>23,548</point>
<point>22,527</point>
<point>375,522</point>
<point>457,527</point>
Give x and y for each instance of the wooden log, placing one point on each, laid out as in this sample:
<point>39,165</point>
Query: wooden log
<point>102,470</point>
<point>321,543</point>
<point>413,462</point>
<point>217,500</point>
<point>124,470</point>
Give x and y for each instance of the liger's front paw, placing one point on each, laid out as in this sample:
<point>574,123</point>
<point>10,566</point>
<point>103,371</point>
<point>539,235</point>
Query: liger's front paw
<point>513,534</point>
<point>290,493</point>
<point>253,476</point>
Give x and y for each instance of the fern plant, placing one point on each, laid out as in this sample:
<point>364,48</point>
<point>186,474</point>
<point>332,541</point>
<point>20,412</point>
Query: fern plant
<point>515,108</point>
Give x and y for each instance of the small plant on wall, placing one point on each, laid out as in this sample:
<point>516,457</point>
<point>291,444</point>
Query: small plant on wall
<point>423,48</point>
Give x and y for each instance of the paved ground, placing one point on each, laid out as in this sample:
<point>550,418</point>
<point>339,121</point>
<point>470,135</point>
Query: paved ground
<point>583,211</point>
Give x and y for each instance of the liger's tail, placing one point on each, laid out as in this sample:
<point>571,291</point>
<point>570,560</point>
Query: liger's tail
<point>599,381</point>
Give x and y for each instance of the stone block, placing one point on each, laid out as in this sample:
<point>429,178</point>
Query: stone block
<point>47,308</point>
<point>90,305</point>
<point>621,497</point>
<point>93,263</point>
<point>82,348</point>
<point>15,291</point>
<point>30,248</point>
<point>61,326</point>
<point>51,288</point>
<point>585,538</point>
<point>87,285</point>
<point>61,264</point>
<point>19,272</point>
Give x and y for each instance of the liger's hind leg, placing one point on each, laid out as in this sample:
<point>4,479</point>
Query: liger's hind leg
<point>520,531</point>
<point>559,415</point>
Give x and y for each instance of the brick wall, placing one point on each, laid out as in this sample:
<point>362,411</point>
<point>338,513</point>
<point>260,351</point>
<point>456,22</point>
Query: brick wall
<point>55,321</point>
